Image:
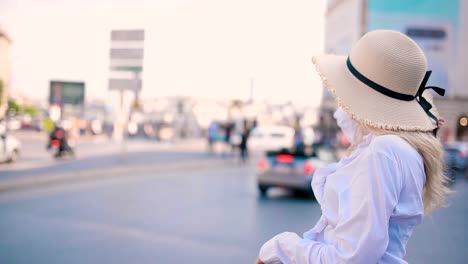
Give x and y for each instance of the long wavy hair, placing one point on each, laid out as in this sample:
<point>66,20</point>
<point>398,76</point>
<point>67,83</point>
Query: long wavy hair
<point>431,149</point>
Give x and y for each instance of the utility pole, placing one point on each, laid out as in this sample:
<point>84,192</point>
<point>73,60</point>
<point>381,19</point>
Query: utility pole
<point>251,90</point>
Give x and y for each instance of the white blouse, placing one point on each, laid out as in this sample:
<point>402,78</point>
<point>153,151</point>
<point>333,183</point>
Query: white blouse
<point>371,201</point>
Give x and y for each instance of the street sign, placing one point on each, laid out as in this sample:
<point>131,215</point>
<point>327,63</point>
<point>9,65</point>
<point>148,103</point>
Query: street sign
<point>127,68</point>
<point>66,93</point>
<point>125,84</point>
<point>126,56</point>
<point>128,53</point>
<point>128,35</point>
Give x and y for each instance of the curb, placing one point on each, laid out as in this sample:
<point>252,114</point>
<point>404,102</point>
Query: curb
<point>106,173</point>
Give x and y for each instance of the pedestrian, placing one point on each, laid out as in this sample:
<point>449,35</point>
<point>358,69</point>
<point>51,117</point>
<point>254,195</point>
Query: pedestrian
<point>212,132</point>
<point>373,198</point>
<point>244,144</point>
<point>298,138</point>
<point>229,127</point>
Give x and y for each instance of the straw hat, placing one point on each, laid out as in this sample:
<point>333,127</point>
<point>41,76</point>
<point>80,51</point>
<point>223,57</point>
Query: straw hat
<point>382,82</point>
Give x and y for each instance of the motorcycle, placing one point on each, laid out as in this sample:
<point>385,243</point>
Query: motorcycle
<point>61,147</point>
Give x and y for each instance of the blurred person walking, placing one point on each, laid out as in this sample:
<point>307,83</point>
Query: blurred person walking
<point>298,137</point>
<point>228,129</point>
<point>212,133</point>
<point>373,198</point>
<point>244,144</point>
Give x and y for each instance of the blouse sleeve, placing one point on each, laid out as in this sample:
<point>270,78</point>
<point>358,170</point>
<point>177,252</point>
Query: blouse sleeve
<point>361,234</point>
<point>320,178</point>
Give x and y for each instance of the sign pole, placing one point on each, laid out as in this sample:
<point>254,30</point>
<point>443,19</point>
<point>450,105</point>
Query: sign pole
<point>126,57</point>
<point>123,146</point>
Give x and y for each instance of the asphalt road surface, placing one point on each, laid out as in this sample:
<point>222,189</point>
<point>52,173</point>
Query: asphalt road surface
<point>96,153</point>
<point>202,215</point>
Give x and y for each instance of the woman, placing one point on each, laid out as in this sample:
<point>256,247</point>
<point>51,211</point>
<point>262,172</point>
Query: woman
<point>372,199</point>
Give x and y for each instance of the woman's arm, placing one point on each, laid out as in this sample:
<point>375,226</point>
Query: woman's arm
<point>320,178</point>
<point>361,234</point>
<point>258,261</point>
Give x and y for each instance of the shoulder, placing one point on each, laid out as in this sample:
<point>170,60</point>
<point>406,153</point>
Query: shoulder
<point>394,148</point>
<point>390,145</point>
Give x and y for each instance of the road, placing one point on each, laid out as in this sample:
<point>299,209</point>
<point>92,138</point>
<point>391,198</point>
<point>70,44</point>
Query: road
<point>96,152</point>
<point>202,216</point>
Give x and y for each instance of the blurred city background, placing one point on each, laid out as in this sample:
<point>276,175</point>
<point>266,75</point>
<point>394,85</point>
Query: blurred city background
<point>189,130</point>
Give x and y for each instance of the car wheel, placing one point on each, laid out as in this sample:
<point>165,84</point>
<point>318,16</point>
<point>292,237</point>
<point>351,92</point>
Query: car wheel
<point>263,189</point>
<point>304,194</point>
<point>13,156</point>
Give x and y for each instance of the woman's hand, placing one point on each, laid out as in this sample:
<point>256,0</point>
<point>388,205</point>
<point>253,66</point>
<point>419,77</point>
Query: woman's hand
<point>258,261</point>
<point>441,122</point>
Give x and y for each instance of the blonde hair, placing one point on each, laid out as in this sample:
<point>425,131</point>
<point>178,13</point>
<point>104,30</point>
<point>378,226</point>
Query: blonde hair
<point>432,152</point>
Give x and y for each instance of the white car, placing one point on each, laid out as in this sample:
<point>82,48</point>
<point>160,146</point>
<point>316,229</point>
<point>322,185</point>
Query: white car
<point>269,138</point>
<point>10,148</point>
<point>14,124</point>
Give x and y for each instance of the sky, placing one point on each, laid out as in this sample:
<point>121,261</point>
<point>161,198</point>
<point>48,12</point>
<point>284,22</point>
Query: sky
<point>203,48</point>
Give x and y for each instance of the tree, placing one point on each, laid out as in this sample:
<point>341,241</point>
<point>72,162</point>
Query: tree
<point>30,110</point>
<point>13,106</point>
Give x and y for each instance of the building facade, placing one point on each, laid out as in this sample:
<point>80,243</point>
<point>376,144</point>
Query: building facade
<point>5,71</point>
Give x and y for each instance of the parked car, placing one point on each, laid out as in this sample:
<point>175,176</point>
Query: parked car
<point>456,155</point>
<point>10,148</point>
<point>291,170</point>
<point>14,124</point>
